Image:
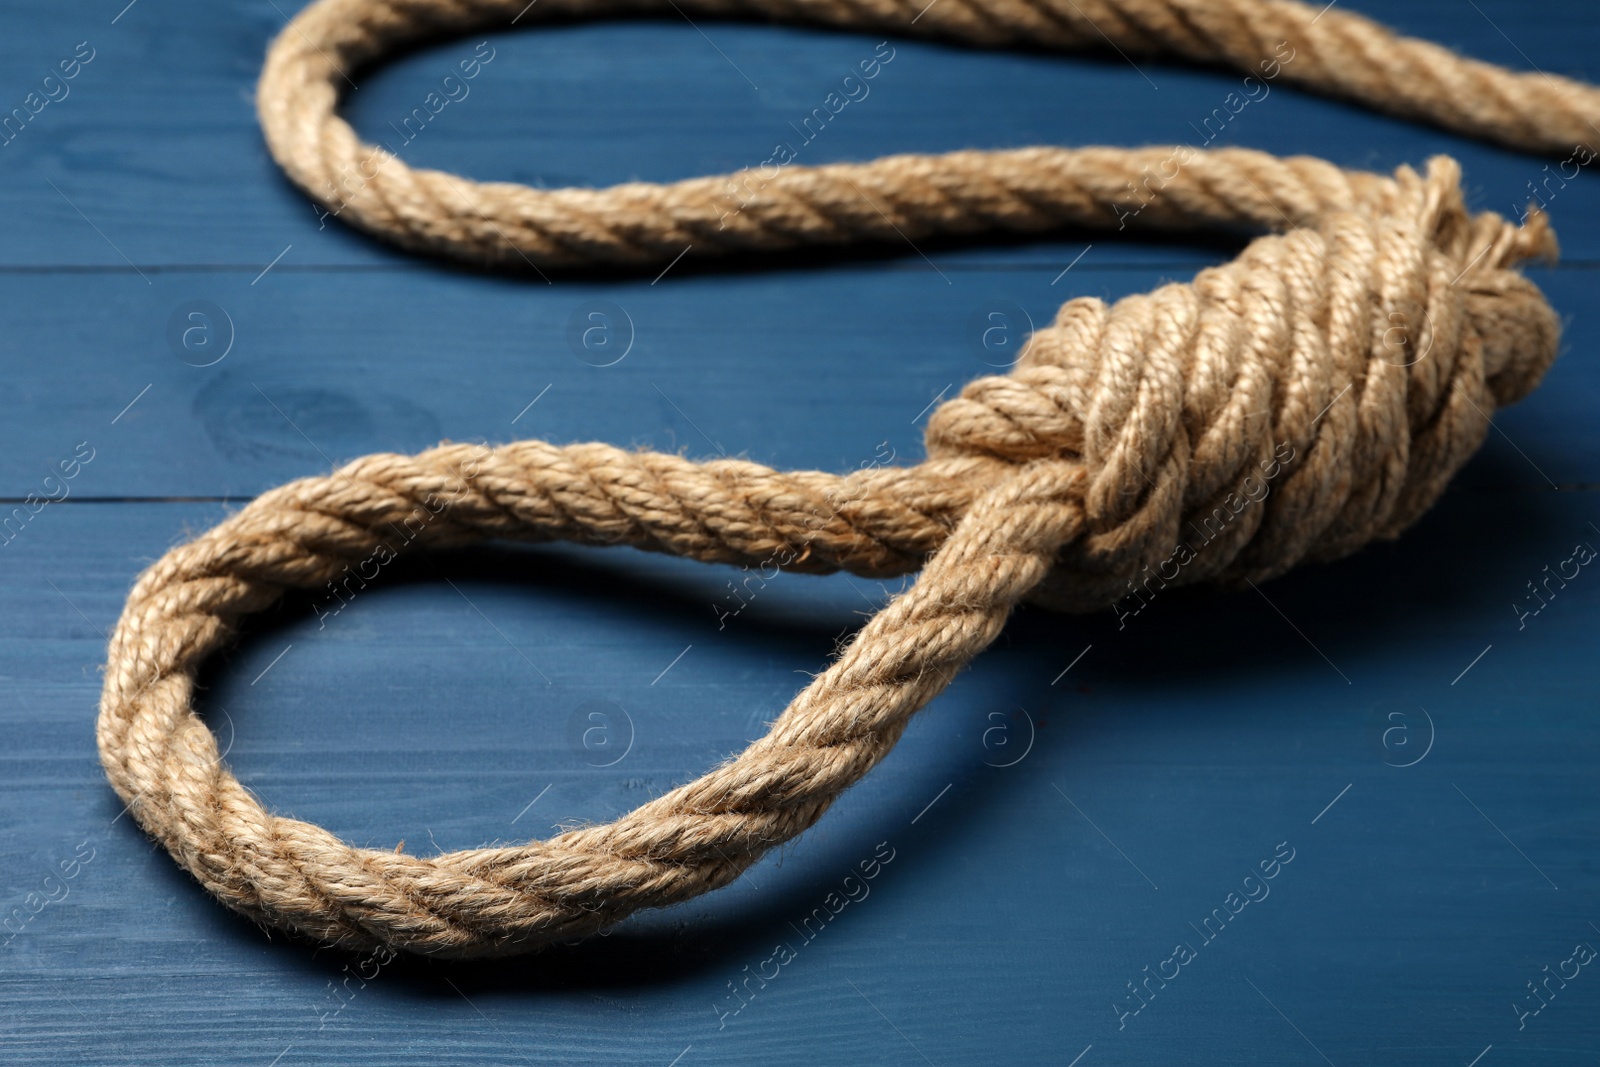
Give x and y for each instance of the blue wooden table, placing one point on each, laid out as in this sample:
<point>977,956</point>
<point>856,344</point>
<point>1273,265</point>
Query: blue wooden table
<point>1063,841</point>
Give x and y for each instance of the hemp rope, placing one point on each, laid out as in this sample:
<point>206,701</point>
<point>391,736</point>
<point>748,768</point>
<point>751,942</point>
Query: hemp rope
<point>1374,334</point>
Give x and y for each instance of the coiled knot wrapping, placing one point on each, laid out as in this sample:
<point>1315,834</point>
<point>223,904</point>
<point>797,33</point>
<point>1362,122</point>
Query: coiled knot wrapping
<point>1313,395</point>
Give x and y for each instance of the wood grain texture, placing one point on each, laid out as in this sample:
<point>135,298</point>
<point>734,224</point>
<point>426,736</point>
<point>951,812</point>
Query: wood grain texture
<point>1169,760</point>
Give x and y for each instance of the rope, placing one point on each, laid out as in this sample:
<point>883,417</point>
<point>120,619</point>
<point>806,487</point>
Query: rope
<point>1028,190</point>
<point>1349,362</point>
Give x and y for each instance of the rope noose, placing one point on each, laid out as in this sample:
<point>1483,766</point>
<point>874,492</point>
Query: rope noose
<point>1353,357</point>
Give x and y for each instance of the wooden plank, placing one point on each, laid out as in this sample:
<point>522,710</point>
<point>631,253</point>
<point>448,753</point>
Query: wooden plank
<point>822,369</point>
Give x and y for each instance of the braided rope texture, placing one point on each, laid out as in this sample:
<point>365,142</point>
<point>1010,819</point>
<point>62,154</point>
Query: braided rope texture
<point>1354,358</point>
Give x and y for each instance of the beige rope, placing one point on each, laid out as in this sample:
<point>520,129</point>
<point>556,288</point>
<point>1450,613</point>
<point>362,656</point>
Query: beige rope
<point>1348,363</point>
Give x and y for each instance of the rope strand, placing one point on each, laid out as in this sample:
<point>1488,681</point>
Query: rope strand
<point>1313,395</point>
<point>644,225</point>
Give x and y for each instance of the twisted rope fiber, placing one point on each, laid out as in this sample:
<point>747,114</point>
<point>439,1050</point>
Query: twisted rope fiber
<point>1353,357</point>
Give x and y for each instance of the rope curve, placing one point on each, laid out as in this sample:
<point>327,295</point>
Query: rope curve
<point>1351,360</point>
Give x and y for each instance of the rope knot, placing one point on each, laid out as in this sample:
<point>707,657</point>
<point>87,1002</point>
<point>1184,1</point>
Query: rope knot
<point>1311,396</point>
